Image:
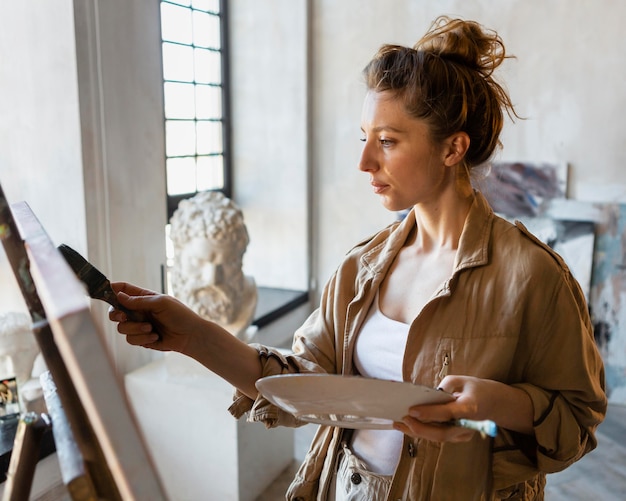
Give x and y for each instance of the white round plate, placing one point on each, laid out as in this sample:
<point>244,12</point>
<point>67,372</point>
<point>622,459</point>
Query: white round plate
<point>347,401</point>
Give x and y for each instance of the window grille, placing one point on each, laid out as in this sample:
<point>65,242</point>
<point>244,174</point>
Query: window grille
<point>195,79</point>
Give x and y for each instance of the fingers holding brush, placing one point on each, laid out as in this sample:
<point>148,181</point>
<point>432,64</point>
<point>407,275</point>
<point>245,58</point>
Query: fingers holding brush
<point>132,290</point>
<point>137,333</point>
<point>129,301</point>
<point>133,314</point>
<point>153,320</point>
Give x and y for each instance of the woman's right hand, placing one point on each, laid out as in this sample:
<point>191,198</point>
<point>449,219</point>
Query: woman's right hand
<point>168,323</point>
<point>171,326</point>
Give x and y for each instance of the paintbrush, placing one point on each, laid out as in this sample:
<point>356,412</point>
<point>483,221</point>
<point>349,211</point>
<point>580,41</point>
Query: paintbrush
<point>486,428</point>
<point>98,285</point>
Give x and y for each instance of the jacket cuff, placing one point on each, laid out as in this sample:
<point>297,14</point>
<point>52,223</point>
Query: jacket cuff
<point>273,363</point>
<point>560,439</point>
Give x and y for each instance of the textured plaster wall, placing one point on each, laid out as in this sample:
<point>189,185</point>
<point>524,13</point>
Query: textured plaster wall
<point>40,151</point>
<point>268,48</point>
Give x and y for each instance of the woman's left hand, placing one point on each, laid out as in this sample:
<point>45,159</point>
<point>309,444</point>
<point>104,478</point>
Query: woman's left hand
<point>476,399</point>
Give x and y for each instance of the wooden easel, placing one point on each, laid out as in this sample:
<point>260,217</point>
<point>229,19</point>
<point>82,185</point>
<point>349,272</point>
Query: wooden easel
<point>105,456</point>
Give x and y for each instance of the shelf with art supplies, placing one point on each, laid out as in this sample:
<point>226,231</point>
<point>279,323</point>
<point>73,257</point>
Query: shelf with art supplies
<point>9,421</point>
<point>590,236</point>
<point>21,394</point>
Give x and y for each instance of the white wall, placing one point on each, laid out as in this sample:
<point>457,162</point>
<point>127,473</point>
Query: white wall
<point>40,148</point>
<point>268,48</point>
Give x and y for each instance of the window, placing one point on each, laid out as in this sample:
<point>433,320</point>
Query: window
<point>196,98</point>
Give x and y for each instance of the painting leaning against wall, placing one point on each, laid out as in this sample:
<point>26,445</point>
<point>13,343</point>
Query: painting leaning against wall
<point>608,297</point>
<point>607,288</point>
<point>522,189</point>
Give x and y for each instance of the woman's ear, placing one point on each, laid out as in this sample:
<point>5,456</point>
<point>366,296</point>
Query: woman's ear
<point>456,147</point>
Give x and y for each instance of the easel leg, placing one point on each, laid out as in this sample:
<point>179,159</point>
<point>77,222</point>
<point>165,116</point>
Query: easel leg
<point>71,461</point>
<point>61,385</point>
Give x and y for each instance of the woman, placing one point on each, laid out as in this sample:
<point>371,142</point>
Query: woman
<point>452,296</point>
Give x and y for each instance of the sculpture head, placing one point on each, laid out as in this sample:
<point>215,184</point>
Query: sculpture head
<point>210,239</point>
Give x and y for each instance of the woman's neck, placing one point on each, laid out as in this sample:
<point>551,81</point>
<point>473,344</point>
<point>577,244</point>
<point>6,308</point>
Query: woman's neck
<point>440,224</point>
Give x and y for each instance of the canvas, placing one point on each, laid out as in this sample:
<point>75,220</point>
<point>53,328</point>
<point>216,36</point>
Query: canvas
<point>522,189</point>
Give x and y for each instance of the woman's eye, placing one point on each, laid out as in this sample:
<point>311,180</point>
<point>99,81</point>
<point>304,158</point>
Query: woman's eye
<point>385,142</point>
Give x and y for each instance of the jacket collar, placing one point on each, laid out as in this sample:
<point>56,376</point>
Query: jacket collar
<point>474,241</point>
<point>473,244</point>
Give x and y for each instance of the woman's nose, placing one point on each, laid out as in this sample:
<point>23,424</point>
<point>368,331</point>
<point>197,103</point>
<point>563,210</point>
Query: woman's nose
<point>367,162</point>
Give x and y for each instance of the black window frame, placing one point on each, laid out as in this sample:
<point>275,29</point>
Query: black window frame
<point>174,200</point>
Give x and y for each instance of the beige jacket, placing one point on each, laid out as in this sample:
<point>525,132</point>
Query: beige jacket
<point>511,312</point>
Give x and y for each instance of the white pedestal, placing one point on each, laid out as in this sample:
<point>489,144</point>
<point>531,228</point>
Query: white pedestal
<point>200,451</point>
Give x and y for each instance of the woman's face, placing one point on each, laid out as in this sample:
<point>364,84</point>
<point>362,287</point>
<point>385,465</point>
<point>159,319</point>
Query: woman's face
<point>405,167</point>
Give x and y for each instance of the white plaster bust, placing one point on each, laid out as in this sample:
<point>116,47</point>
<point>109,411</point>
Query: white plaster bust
<point>210,239</point>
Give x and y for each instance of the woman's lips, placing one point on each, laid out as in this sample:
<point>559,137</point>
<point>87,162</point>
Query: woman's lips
<point>378,187</point>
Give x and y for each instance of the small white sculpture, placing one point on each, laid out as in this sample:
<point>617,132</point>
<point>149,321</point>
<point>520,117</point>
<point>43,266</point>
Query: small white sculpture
<point>18,346</point>
<point>18,352</point>
<point>210,239</point>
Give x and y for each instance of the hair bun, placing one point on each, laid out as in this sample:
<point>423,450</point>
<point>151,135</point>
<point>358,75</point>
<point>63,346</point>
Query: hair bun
<point>446,79</point>
<point>465,42</point>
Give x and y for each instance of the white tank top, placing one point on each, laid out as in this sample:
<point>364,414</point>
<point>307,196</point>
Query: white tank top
<point>378,353</point>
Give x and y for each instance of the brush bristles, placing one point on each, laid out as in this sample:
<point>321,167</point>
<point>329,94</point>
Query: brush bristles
<point>97,283</point>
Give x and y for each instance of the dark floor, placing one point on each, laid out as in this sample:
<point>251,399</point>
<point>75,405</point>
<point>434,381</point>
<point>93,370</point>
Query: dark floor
<point>601,474</point>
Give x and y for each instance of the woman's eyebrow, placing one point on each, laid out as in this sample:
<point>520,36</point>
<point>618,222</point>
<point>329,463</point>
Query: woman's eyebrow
<point>389,128</point>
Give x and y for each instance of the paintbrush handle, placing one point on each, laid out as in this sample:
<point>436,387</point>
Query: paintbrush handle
<point>107,295</point>
<point>110,297</point>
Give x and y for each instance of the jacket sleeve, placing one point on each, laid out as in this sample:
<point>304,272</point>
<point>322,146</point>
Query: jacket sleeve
<point>273,362</point>
<point>313,351</point>
<point>564,374</point>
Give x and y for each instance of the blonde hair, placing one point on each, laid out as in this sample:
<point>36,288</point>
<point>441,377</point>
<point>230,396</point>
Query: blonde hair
<point>446,79</point>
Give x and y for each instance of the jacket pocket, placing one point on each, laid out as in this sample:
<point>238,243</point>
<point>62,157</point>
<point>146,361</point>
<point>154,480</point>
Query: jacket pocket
<point>487,357</point>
